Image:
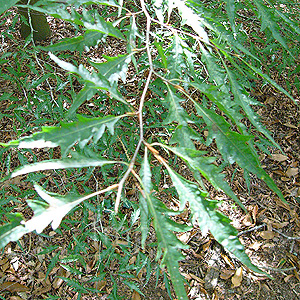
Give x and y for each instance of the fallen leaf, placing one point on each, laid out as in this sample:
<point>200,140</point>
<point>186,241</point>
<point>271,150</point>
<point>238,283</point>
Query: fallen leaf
<point>279,157</point>
<point>13,287</point>
<point>237,277</point>
<point>279,225</point>
<point>267,235</point>
<point>290,125</point>
<point>255,246</point>
<point>288,277</point>
<point>197,278</point>
<point>135,296</point>
<point>227,273</point>
<point>100,285</point>
<point>292,172</point>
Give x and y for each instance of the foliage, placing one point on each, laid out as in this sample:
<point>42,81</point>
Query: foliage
<point>195,63</point>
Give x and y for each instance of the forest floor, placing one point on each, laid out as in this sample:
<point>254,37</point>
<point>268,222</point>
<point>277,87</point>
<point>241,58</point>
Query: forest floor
<point>269,232</point>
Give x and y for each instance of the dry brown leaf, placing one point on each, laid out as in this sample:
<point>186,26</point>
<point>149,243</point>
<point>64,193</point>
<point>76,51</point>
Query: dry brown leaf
<point>135,296</point>
<point>100,285</point>
<point>197,278</point>
<point>279,225</point>
<point>255,246</point>
<point>292,172</point>
<point>226,273</point>
<point>132,260</point>
<point>247,221</point>
<point>279,157</point>
<point>288,277</point>
<point>267,235</point>
<point>237,277</point>
<point>13,287</point>
<point>290,125</point>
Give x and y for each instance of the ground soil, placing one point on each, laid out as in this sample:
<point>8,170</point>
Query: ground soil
<point>269,232</point>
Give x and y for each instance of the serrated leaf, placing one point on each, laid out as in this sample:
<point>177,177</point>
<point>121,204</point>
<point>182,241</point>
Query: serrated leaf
<point>97,79</point>
<point>176,112</point>
<point>105,27</point>
<point>52,211</point>
<point>205,215</point>
<point>192,19</point>
<point>235,147</point>
<point>145,174</point>
<point>242,98</point>
<point>86,93</point>
<point>114,68</point>
<point>12,231</point>
<point>198,162</point>
<point>169,245</point>
<point>77,161</point>
<point>79,43</point>
<point>230,9</point>
<point>267,21</point>
<point>270,80</point>
<point>68,134</point>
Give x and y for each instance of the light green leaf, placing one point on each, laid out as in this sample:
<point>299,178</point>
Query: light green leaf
<point>5,5</point>
<point>192,19</point>
<point>105,27</point>
<point>79,43</point>
<point>114,68</point>
<point>206,216</point>
<point>145,174</point>
<point>230,9</point>
<point>77,161</point>
<point>205,165</point>
<point>12,231</point>
<point>169,245</point>
<point>97,79</point>
<point>68,134</point>
<point>52,211</point>
<point>176,112</point>
<point>267,21</point>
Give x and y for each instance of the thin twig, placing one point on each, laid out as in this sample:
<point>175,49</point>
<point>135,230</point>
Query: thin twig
<point>251,229</point>
<point>286,236</point>
<point>140,111</point>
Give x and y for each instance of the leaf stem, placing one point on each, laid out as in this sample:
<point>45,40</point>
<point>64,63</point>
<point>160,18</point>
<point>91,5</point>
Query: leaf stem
<point>140,111</point>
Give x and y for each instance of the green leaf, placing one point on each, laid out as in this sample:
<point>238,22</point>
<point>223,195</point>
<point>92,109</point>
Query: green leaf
<point>105,27</point>
<point>114,67</point>
<point>230,9</point>
<point>77,161</point>
<point>176,112</point>
<point>169,245</point>
<point>12,231</point>
<point>68,134</point>
<point>79,43</point>
<point>242,98</point>
<point>266,15</point>
<point>145,174</point>
<point>271,81</point>
<point>235,147</point>
<point>99,81</point>
<point>86,93</point>
<point>205,165</point>
<point>206,216</point>
<point>52,211</point>
<point>5,5</point>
